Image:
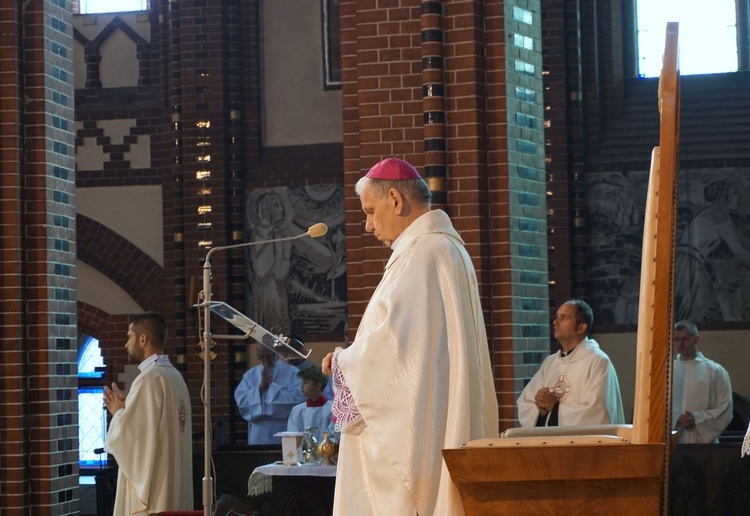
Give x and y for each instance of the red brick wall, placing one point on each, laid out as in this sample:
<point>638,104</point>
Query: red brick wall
<point>13,442</point>
<point>111,331</point>
<point>121,261</point>
<point>583,61</point>
<point>203,65</point>
<point>560,148</point>
<point>203,81</point>
<point>38,440</point>
<point>381,87</point>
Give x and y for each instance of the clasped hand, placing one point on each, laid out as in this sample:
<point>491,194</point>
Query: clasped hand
<point>545,400</point>
<point>686,421</point>
<point>266,377</point>
<point>114,399</point>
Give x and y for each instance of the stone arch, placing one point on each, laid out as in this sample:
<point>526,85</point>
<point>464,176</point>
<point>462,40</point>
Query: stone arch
<point>121,261</point>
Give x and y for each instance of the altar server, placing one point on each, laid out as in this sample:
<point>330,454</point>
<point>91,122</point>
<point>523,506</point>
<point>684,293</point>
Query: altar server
<point>316,411</point>
<point>266,396</point>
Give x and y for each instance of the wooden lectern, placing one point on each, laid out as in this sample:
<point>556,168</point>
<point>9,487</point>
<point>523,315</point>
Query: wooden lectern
<point>600,473</point>
<point>591,470</point>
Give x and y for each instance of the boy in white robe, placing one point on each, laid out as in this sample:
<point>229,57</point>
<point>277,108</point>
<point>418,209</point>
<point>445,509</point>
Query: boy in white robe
<point>701,390</point>
<point>150,434</point>
<point>417,377</point>
<point>316,411</point>
<point>577,385</point>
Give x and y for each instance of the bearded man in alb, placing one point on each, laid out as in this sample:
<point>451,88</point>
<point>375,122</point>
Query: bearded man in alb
<point>150,434</point>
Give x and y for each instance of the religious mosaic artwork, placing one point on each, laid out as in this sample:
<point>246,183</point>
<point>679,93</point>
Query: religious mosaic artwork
<point>298,286</point>
<point>712,264</point>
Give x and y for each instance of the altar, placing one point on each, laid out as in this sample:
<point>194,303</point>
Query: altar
<point>305,490</point>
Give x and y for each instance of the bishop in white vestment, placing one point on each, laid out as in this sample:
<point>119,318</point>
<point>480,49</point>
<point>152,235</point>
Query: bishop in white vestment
<point>417,378</point>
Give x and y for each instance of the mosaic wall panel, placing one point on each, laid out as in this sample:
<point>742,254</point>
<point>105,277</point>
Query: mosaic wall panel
<point>712,265</point>
<point>296,287</point>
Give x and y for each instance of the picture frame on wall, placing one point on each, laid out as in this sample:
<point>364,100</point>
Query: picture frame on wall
<point>331,44</point>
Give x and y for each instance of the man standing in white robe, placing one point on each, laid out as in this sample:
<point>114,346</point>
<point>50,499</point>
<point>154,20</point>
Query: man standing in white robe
<point>266,396</point>
<point>578,384</point>
<point>417,377</point>
<point>150,434</point>
<point>701,390</point>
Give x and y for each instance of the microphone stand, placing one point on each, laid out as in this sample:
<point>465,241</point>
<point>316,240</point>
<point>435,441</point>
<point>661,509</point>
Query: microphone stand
<point>314,231</point>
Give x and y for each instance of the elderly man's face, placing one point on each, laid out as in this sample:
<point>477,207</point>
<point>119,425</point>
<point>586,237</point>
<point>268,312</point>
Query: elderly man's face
<point>382,214</point>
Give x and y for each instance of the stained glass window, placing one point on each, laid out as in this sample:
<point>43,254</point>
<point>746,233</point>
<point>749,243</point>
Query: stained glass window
<point>92,416</point>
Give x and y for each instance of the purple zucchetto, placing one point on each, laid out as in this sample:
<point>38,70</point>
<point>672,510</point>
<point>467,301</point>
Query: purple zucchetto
<point>393,169</point>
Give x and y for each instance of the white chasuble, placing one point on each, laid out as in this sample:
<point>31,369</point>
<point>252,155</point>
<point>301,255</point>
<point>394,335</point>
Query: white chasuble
<point>587,386</point>
<point>419,372</point>
<point>151,439</point>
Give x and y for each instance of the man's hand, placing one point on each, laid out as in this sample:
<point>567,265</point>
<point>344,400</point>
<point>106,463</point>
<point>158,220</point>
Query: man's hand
<point>686,421</point>
<point>114,399</point>
<point>545,401</point>
<point>266,377</point>
<point>326,364</point>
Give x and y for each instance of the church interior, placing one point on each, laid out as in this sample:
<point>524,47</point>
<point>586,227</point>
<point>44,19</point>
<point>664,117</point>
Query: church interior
<point>135,141</point>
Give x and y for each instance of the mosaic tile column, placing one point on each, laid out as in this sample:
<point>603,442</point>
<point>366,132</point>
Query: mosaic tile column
<point>38,383</point>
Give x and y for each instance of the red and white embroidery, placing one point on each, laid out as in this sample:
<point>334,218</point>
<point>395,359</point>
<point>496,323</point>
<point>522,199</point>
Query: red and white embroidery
<point>344,407</point>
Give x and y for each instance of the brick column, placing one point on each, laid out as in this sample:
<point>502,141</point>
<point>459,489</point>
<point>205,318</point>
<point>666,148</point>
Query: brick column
<point>566,107</point>
<point>38,383</point>
<point>516,203</point>
<point>204,186</point>
<point>494,150</point>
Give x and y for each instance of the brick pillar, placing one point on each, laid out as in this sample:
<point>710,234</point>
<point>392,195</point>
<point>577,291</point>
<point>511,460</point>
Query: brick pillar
<point>516,203</point>
<point>204,185</point>
<point>564,112</point>
<point>38,383</point>
<point>433,100</point>
<point>494,151</point>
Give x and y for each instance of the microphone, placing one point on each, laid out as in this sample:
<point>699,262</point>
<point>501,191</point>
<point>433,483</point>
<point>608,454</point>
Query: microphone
<point>314,231</point>
<point>277,344</point>
<point>317,230</point>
